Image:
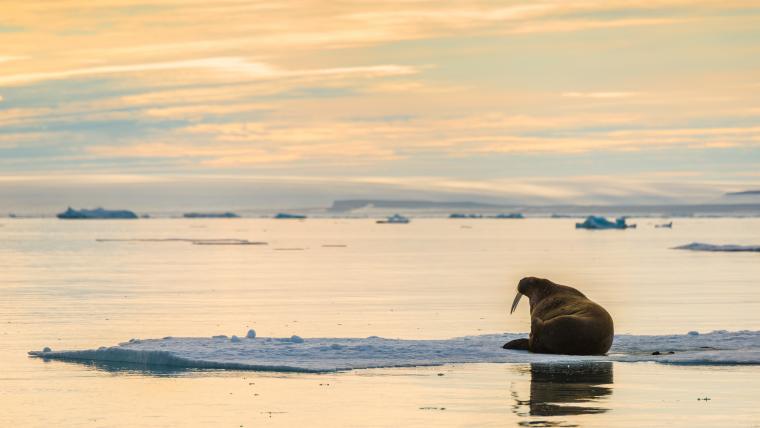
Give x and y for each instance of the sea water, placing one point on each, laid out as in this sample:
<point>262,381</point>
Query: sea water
<point>87,284</point>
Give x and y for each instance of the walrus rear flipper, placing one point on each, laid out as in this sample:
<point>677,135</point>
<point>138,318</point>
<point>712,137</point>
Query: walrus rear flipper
<point>520,344</point>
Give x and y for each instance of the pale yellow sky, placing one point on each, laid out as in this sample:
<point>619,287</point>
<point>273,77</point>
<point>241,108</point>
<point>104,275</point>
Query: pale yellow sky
<point>410,92</point>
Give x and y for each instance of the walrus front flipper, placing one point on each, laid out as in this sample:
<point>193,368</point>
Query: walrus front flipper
<point>520,344</point>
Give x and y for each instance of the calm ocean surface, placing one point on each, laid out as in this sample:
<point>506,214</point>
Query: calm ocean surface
<point>433,278</point>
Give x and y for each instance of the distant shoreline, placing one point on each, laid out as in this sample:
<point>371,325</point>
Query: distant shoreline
<point>469,210</point>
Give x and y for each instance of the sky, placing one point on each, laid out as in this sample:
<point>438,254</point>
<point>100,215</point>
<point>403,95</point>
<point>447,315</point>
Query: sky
<point>181,103</point>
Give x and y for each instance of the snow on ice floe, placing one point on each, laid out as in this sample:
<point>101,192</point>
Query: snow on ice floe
<point>296,354</point>
<point>698,246</point>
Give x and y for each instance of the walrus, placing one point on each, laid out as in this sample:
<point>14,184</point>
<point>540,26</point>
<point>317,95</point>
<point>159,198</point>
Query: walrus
<point>562,320</point>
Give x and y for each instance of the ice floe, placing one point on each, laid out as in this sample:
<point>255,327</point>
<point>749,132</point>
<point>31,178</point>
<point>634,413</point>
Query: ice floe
<point>296,354</point>
<point>699,246</point>
<point>223,241</point>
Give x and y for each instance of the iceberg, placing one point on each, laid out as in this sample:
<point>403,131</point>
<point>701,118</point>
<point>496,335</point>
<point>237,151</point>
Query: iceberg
<point>597,222</point>
<point>316,355</point>
<point>509,215</point>
<point>97,213</point>
<point>211,215</point>
<point>698,246</point>
<point>395,219</point>
<point>286,216</point>
<point>460,215</point>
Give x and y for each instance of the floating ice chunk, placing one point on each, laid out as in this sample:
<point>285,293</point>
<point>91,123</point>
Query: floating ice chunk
<point>97,213</point>
<point>289,216</point>
<point>394,219</point>
<point>296,339</point>
<point>234,339</point>
<point>46,349</point>
<point>251,334</point>
<point>509,215</point>
<point>693,333</point>
<point>597,222</point>
<point>699,246</point>
<point>219,336</point>
<point>334,354</point>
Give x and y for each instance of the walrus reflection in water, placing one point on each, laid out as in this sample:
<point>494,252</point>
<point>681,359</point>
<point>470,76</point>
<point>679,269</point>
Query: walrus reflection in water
<point>562,320</point>
<point>565,390</point>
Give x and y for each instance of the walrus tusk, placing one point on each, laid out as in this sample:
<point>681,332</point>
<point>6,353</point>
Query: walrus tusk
<point>517,300</point>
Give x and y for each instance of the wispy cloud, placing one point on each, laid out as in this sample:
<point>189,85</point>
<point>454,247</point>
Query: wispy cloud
<point>273,142</point>
<point>10,58</point>
<point>576,25</point>
<point>240,86</point>
<point>599,94</point>
<point>656,187</point>
<point>241,67</point>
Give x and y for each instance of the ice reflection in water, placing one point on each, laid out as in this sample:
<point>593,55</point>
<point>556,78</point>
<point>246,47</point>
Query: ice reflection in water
<point>564,390</point>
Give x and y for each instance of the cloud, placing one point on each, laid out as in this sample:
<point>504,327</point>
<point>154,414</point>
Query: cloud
<point>10,58</point>
<point>203,110</point>
<point>575,25</point>
<point>571,189</point>
<point>599,94</point>
<point>106,86</point>
<point>277,142</point>
<point>240,67</point>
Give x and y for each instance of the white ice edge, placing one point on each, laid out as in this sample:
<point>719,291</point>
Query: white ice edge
<point>338,354</point>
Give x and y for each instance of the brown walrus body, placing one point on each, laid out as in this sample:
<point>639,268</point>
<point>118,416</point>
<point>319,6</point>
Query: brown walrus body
<point>562,320</point>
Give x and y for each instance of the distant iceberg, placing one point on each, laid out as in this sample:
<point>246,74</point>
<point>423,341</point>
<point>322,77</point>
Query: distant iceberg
<point>597,222</point>
<point>664,225</point>
<point>211,215</point>
<point>499,216</point>
<point>460,215</point>
<point>698,246</point>
<point>285,216</point>
<point>395,219</point>
<point>97,213</point>
<point>294,354</point>
<point>509,215</point>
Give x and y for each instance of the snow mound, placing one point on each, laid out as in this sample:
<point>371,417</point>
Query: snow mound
<point>698,246</point>
<point>295,354</point>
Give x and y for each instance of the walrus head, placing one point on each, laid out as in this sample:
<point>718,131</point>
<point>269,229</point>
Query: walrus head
<point>532,287</point>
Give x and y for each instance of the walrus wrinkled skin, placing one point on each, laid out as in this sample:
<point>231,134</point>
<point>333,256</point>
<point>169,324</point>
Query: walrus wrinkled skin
<point>562,320</point>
